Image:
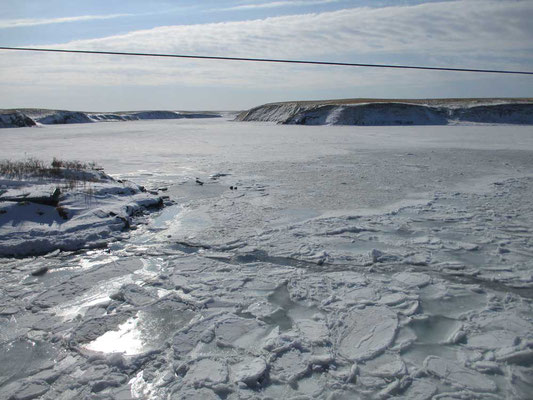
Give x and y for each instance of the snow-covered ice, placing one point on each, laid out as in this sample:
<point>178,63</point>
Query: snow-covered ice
<point>348,263</point>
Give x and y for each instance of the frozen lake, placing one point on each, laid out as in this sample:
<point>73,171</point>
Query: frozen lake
<point>349,262</point>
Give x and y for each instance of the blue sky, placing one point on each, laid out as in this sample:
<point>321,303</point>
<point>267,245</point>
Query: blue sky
<point>466,33</point>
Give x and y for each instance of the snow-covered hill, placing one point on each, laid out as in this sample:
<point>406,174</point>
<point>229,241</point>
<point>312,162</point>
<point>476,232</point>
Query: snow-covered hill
<point>393,112</point>
<point>31,117</point>
<point>14,119</point>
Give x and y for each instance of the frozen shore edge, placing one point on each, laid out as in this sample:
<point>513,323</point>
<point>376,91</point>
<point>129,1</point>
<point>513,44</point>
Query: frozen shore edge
<point>369,112</point>
<point>68,213</point>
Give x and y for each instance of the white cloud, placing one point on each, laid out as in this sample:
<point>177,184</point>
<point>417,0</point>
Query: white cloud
<point>15,23</point>
<point>486,34</point>
<point>489,28</point>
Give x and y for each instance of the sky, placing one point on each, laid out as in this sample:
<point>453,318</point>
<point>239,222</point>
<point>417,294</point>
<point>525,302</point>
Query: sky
<point>488,34</point>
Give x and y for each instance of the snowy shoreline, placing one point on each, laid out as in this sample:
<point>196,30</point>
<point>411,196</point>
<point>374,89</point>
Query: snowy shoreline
<point>67,210</point>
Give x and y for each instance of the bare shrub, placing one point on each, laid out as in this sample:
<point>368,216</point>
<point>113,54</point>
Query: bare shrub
<point>20,169</point>
<point>69,174</point>
<point>32,167</point>
<point>57,163</point>
<point>72,164</point>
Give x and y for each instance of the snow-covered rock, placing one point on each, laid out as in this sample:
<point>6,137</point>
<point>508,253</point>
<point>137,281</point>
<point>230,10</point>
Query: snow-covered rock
<point>70,210</point>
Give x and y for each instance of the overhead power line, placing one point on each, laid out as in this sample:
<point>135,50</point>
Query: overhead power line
<point>270,60</point>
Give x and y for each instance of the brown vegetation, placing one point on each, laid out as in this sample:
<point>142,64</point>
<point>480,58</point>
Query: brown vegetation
<point>32,167</point>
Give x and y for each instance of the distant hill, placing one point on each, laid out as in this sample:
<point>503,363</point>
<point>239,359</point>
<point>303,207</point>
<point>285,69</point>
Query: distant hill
<point>33,116</point>
<point>375,112</point>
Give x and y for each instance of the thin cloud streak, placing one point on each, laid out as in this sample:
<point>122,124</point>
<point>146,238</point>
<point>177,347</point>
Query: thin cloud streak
<point>458,30</point>
<point>277,4</point>
<point>16,23</point>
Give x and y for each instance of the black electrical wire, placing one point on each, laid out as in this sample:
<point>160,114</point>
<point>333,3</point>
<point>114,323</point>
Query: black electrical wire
<point>270,60</point>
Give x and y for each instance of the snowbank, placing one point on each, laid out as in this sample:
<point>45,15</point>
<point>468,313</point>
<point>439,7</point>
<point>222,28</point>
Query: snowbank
<point>30,117</point>
<point>390,113</point>
<point>73,210</point>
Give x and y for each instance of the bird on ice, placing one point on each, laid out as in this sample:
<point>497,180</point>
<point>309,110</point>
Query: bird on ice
<point>199,182</point>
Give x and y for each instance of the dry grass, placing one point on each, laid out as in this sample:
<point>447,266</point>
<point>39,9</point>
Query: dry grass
<point>19,169</point>
<point>65,175</point>
<point>34,168</point>
<point>73,164</point>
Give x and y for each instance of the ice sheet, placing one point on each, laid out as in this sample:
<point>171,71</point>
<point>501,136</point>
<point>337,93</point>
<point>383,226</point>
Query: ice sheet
<point>390,262</point>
